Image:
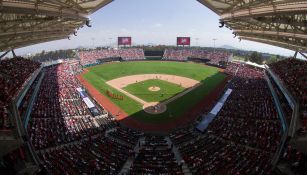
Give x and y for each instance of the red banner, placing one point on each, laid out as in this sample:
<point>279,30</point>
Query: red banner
<point>124,40</point>
<point>183,41</point>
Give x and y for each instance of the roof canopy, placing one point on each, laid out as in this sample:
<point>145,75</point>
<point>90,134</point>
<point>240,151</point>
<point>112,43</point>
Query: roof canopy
<point>28,22</point>
<point>276,22</point>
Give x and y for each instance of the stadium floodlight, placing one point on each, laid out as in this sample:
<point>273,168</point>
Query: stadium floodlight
<point>88,23</point>
<point>222,24</point>
<point>214,39</point>
<point>235,34</point>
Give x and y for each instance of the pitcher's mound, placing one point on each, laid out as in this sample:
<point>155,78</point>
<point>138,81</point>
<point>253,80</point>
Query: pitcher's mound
<point>154,88</point>
<point>154,108</point>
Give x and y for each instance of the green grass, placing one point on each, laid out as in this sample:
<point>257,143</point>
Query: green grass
<point>210,77</point>
<point>239,58</point>
<point>167,90</point>
<point>115,70</point>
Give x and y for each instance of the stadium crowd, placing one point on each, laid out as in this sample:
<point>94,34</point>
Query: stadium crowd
<point>69,140</point>
<point>26,99</point>
<point>5,123</point>
<point>95,155</point>
<point>14,74</point>
<point>90,57</point>
<point>294,158</point>
<point>59,115</point>
<point>183,54</point>
<point>286,108</point>
<point>245,118</point>
<point>293,73</point>
<point>155,157</point>
<point>245,131</point>
<point>213,155</point>
<point>126,135</point>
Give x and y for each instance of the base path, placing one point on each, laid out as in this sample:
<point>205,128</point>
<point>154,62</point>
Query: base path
<point>102,100</point>
<point>126,80</point>
<point>187,83</point>
<point>203,106</point>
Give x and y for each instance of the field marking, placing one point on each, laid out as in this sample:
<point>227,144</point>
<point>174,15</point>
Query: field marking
<point>187,83</point>
<point>128,94</point>
<point>181,94</point>
<point>131,79</point>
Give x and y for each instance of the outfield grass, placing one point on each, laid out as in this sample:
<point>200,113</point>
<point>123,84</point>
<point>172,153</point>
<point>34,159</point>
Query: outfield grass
<point>114,70</point>
<point>167,90</point>
<point>210,77</point>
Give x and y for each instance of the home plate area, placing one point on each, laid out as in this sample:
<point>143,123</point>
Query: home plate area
<point>154,108</point>
<point>154,91</point>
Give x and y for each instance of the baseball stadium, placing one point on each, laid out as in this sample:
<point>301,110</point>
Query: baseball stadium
<point>153,110</point>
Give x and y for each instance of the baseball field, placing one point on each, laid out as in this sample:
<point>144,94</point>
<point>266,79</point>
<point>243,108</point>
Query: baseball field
<point>175,87</point>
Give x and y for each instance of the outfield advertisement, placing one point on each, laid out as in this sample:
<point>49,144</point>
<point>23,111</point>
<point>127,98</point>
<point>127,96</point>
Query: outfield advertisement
<point>183,41</point>
<point>124,40</point>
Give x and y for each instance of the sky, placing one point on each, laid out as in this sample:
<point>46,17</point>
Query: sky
<point>154,22</point>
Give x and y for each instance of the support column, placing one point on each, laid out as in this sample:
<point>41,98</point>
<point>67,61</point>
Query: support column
<point>303,55</point>
<point>5,53</point>
<point>13,52</point>
<point>295,54</point>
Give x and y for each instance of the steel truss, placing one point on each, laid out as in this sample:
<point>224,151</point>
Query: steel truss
<point>281,22</point>
<point>28,22</point>
<point>278,22</point>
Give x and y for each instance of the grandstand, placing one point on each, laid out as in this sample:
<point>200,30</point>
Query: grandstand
<point>51,124</point>
<point>107,55</point>
<point>180,54</point>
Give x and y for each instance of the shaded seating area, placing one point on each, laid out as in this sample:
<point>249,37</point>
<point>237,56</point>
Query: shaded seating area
<point>293,73</point>
<point>99,155</point>
<point>155,157</point>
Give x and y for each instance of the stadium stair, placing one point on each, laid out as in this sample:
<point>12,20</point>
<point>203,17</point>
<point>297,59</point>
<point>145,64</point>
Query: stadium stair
<point>130,160</point>
<point>185,168</point>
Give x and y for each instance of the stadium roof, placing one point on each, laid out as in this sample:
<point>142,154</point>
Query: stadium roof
<point>276,22</point>
<point>28,22</point>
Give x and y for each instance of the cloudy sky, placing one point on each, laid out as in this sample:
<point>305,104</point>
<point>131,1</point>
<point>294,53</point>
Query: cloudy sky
<point>154,22</point>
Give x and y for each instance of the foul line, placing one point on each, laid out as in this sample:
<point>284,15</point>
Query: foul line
<point>164,102</point>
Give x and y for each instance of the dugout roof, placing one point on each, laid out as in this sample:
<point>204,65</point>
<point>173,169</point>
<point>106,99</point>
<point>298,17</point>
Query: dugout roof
<point>276,22</point>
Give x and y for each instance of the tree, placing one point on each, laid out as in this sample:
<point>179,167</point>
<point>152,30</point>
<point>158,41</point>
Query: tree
<point>255,57</point>
<point>272,59</point>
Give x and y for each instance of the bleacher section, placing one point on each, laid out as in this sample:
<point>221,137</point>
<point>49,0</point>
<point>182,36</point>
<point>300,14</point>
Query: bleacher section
<point>155,157</point>
<point>14,75</point>
<point>97,155</point>
<point>243,138</point>
<point>246,130</point>
<point>126,54</point>
<point>185,54</point>
<point>293,73</point>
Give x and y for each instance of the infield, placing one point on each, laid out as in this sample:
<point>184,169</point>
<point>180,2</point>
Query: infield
<point>209,78</point>
<point>166,90</point>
